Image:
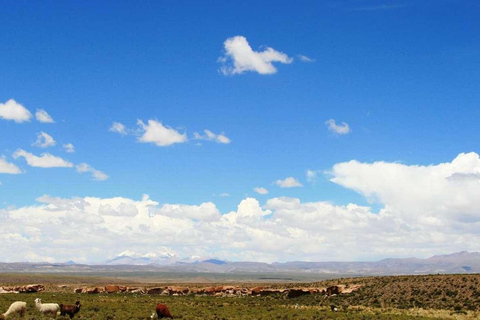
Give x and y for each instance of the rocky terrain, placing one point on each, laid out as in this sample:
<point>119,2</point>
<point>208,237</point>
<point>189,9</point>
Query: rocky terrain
<point>386,297</point>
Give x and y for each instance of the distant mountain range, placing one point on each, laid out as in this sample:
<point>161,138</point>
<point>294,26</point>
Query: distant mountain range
<point>162,257</point>
<point>164,261</point>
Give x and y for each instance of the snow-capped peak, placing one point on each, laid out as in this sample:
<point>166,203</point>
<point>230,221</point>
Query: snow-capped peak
<point>162,255</point>
<point>129,253</point>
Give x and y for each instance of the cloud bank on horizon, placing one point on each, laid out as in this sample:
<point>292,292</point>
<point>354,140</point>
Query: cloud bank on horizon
<point>426,209</point>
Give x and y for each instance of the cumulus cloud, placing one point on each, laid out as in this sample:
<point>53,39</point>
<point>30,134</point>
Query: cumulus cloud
<point>240,57</point>
<point>7,167</point>
<point>260,190</point>
<point>465,177</point>
<point>289,182</point>
<point>96,174</point>
<point>426,209</point>
<point>86,229</point>
<point>69,148</point>
<point>210,136</point>
<point>45,160</point>
<point>118,128</point>
<point>343,128</point>
<point>204,212</point>
<point>437,193</point>
<point>12,110</point>
<point>42,116</point>
<point>303,58</point>
<point>284,229</point>
<point>44,140</point>
<point>122,210</point>
<point>155,132</point>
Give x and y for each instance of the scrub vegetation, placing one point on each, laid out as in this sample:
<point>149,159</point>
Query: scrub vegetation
<point>392,297</point>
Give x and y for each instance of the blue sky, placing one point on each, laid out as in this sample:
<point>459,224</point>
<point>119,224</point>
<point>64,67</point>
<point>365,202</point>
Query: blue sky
<point>403,76</point>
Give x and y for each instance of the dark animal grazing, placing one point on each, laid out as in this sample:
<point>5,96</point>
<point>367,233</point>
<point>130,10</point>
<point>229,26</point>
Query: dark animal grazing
<point>333,290</point>
<point>67,309</point>
<point>162,311</point>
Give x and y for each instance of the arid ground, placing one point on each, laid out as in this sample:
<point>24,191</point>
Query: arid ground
<point>393,297</point>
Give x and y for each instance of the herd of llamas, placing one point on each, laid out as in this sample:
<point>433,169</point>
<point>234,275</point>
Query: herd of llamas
<point>19,308</point>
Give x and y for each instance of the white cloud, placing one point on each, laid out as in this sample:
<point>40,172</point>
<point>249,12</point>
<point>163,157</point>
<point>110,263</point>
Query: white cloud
<point>42,116</point>
<point>303,58</point>
<point>210,136</point>
<point>427,209</point>
<point>96,174</point>
<point>7,167</point>
<point>311,175</point>
<point>260,190</point>
<point>86,229</point>
<point>44,140</point>
<point>69,148</point>
<point>118,128</point>
<point>289,182</point>
<point>12,110</point>
<point>224,194</point>
<point>239,58</point>
<point>155,132</point>
<point>46,160</point>
<point>122,210</point>
<point>446,191</point>
<point>204,212</point>
<point>343,128</point>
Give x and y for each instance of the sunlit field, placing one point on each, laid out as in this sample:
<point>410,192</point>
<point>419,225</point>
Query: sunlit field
<point>405,297</point>
<point>132,306</point>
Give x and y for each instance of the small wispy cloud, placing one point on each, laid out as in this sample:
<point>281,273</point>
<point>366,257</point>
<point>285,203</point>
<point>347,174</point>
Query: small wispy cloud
<point>42,116</point>
<point>156,132</point>
<point>119,128</point>
<point>96,174</point>
<point>44,140</point>
<point>260,190</point>
<point>304,58</point>
<point>311,175</point>
<point>289,182</point>
<point>342,128</point>
<point>210,136</point>
<point>69,148</point>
